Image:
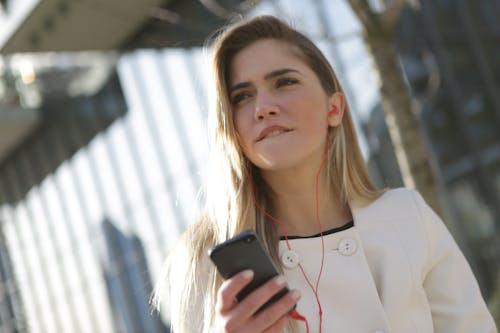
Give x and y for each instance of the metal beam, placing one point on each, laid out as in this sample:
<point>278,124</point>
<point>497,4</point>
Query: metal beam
<point>55,25</point>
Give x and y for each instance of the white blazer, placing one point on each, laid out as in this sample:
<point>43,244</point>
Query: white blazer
<point>397,270</point>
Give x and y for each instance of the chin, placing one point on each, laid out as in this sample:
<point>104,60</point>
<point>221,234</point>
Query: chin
<point>283,158</point>
<point>275,163</point>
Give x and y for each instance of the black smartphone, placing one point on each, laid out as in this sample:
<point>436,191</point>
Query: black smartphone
<point>245,251</point>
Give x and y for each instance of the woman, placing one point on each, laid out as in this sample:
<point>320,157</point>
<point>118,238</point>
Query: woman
<point>287,164</point>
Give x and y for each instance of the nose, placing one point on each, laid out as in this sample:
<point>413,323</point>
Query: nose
<point>265,106</point>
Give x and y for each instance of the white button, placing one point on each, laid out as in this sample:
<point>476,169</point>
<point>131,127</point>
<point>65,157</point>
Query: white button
<point>290,259</point>
<point>347,246</point>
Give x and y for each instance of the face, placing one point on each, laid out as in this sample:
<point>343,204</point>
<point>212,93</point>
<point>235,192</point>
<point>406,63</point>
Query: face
<point>280,109</point>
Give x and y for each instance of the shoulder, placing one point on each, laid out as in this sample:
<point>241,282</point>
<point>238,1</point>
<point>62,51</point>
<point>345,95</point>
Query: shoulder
<point>401,218</point>
<point>400,215</point>
<point>399,203</point>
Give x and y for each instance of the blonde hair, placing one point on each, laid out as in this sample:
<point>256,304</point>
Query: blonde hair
<point>229,196</point>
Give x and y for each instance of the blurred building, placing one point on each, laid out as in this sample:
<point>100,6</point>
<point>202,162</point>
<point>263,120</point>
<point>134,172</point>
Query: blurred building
<point>11,307</point>
<point>129,283</point>
<point>449,52</point>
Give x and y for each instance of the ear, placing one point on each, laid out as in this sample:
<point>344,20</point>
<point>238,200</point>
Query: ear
<point>336,103</point>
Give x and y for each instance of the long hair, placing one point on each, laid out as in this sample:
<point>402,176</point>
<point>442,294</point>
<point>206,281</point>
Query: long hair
<point>230,206</point>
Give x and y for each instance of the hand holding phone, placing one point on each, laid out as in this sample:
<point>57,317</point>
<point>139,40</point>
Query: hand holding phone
<point>242,252</point>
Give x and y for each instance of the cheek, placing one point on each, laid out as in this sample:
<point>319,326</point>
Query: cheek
<point>314,107</point>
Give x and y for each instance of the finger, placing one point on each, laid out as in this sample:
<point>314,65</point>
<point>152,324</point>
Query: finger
<point>251,303</point>
<point>274,313</point>
<point>278,326</point>
<point>230,288</point>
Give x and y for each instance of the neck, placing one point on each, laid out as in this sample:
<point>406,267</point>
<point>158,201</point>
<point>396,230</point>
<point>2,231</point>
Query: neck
<point>297,206</point>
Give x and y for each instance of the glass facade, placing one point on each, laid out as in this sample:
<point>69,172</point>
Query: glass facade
<point>94,199</point>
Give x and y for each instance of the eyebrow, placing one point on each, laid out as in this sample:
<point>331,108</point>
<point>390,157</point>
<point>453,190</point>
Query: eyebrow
<point>268,76</point>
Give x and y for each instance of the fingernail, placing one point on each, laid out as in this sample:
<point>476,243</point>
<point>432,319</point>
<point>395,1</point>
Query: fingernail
<point>280,280</point>
<point>247,274</point>
<point>295,294</point>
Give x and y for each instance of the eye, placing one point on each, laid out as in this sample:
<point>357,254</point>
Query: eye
<point>286,81</point>
<point>239,97</point>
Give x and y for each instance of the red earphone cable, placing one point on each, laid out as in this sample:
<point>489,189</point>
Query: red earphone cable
<point>297,316</point>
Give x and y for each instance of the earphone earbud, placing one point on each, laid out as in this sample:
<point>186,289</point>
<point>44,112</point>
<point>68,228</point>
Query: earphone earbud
<point>333,111</point>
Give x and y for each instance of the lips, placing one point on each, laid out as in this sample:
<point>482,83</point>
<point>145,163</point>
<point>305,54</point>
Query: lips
<point>272,131</point>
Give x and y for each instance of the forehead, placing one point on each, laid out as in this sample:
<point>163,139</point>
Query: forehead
<point>262,57</point>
